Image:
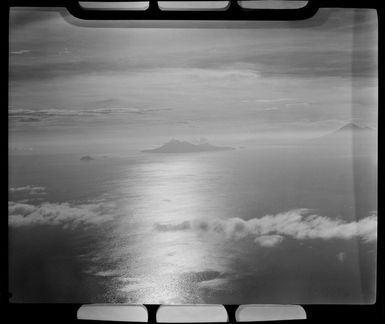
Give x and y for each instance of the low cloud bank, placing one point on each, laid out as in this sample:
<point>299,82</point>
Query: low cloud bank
<point>43,114</point>
<point>271,230</point>
<point>30,190</point>
<point>65,214</point>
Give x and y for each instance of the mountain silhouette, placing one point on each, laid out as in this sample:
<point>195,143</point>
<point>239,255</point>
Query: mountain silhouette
<point>347,133</point>
<point>175,146</point>
<point>352,127</point>
<point>86,158</point>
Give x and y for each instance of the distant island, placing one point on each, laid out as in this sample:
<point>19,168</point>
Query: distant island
<point>86,158</point>
<point>352,127</point>
<point>345,133</point>
<point>175,146</point>
<point>348,130</point>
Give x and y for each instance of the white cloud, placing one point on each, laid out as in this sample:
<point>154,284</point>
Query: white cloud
<point>297,105</point>
<point>108,273</point>
<point>38,114</point>
<point>220,74</point>
<point>213,283</point>
<point>30,190</point>
<point>274,100</point>
<point>139,286</point>
<point>20,52</point>
<point>270,230</point>
<point>64,214</point>
<point>268,240</point>
<point>270,108</point>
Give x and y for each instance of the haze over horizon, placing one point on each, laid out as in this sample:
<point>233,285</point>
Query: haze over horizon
<point>114,85</point>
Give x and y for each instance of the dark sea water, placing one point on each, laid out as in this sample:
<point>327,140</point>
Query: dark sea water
<point>163,228</point>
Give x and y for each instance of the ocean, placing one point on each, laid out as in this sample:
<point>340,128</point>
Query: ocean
<point>291,223</point>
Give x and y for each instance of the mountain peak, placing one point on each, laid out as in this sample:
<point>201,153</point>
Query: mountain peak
<point>353,127</point>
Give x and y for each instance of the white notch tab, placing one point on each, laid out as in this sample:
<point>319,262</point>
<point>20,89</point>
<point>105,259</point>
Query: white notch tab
<point>115,313</point>
<point>191,314</point>
<point>114,5</point>
<point>273,4</point>
<point>261,313</point>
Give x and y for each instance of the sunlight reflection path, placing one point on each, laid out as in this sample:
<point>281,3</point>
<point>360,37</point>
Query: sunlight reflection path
<point>169,266</point>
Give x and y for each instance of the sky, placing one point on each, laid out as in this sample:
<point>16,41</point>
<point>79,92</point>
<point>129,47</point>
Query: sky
<point>117,82</point>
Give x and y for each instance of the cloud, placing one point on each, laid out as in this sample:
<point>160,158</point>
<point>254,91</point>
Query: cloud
<point>64,214</point>
<point>31,115</point>
<point>216,283</point>
<point>171,227</point>
<point>276,53</point>
<point>108,273</point>
<point>217,74</point>
<point>270,230</point>
<point>269,240</point>
<point>297,105</point>
<point>138,286</point>
<point>30,190</point>
<point>274,100</point>
<point>271,108</point>
<point>20,52</point>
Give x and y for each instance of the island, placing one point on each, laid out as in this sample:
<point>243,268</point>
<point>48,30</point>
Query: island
<point>175,146</point>
<point>348,133</point>
<point>86,158</point>
<point>352,127</point>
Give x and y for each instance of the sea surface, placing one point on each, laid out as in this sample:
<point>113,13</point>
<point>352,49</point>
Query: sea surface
<point>177,228</point>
